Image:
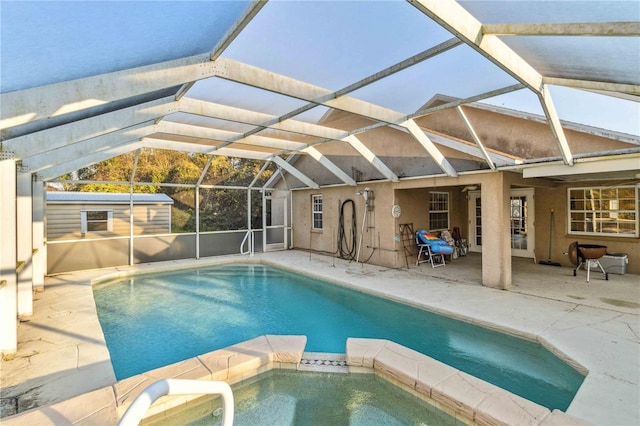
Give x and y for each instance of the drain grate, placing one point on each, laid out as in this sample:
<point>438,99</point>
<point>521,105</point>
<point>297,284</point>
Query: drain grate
<point>320,362</point>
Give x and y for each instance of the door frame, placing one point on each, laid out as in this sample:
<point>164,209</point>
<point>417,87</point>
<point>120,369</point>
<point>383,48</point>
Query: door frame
<point>473,198</point>
<point>269,229</point>
<point>473,201</point>
<point>529,252</point>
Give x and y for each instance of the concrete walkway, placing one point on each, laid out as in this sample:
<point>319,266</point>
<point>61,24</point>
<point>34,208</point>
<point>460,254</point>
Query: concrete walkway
<point>595,326</point>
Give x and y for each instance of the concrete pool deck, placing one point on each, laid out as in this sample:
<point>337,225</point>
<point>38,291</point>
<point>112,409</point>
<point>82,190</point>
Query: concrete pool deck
<point>596,325</point>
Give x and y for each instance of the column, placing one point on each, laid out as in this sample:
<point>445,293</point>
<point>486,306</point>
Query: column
<point>496,242</point>
<point>24,242</point>
<point>8,277</point>
<point>38,231</point>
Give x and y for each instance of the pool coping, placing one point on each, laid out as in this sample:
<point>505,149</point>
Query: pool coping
<point>467,398</point>
<point>595,338</point>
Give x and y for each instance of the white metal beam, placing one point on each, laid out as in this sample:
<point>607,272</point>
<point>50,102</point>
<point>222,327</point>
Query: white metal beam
<point>397,67</point>
<point>625,91</point>
<point>267,80</point>
<point>320,158</point>
<point>429,146</point>
<point>601,29</point>
<point>78,163</point>
<point>66,134</point>
<point>295,172</point>
<point>254,140</point>
<point>278,171</point>
<point>43,102</point>
<point>249,117</point>
<point>371,158</point>
<point>585,166</point>
<point>475,137</point>
<point>466,147</point>
<point>238,115</point>
<point>249,13</point>
<point>50,158</point>
<point>39,103</point>
<point>226,136</point>
<point>203,149</point>
<point>453,17</point>
<point>257,176</point>
<point>556,127</point>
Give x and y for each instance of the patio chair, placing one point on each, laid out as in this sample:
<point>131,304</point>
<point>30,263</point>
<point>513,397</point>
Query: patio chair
<point>433,248</point>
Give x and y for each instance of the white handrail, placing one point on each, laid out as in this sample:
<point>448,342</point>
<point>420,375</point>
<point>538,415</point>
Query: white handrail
<point>141,404</point>
<point>251,244</point>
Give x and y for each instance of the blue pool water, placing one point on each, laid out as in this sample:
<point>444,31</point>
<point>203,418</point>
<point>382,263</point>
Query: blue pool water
<point>155,320</point>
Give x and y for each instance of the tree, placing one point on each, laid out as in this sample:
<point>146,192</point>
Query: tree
<point>220,208</point>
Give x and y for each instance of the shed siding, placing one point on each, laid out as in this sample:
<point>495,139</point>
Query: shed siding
<point>63,220</point>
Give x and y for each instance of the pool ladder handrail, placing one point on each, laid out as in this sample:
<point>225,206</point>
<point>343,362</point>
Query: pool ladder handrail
<point>251,243</point>
<point>141,404</point>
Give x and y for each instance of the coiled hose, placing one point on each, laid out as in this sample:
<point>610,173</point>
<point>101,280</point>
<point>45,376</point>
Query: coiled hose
<point>347,249</point>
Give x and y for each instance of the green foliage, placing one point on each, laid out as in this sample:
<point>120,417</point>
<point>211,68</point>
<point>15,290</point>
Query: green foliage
<point>220,209</point>
<point>181,220</point>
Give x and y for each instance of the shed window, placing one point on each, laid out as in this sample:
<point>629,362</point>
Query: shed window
<point>438,211</point>
<point>96,221</point>
<point>604,211</point>
<point>316,202</point>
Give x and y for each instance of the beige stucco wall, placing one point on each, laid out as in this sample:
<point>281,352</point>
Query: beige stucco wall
<point>517,136</point>
<point>382,244</point>
<point>556,198</point>
<point>378,245</point>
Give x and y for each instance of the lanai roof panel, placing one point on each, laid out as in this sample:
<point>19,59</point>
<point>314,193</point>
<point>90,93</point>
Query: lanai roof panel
<point>538,11</point>
<point>607,59</point>
<point>60,41</point>
<point>331,43</point>
<point>407,91</point>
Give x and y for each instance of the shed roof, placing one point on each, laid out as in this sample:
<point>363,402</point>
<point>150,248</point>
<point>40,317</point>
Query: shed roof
<point>65,197</point>
<point>84,82</point>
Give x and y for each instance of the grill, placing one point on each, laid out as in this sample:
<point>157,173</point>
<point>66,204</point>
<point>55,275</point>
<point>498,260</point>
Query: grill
<point>588,255</point>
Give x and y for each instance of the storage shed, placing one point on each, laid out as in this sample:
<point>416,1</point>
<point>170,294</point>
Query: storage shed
<point>95,215</point>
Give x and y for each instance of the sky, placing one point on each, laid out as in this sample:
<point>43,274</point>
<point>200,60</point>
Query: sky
<point>329,44</point>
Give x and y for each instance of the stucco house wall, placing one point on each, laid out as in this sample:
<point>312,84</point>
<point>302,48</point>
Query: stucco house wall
<point>556,198</point>
<point>508,132</point>
<point>381,240</point>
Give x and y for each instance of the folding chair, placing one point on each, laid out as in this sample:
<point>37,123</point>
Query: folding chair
<point>433,248</point>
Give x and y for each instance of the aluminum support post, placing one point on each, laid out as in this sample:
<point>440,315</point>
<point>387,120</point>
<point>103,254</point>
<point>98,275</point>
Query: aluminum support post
<point>8,277</point>
<point>24,244</point>
<point>197,206</point>
<point>39,257</point>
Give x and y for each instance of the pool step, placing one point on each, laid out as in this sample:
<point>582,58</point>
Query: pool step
<point>326,362</point>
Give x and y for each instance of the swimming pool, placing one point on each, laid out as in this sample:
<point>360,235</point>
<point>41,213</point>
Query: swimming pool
<point>285,397</point>
<point>158,319</point>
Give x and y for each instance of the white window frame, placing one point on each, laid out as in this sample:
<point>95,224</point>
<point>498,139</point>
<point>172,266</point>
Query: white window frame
<point>84,221</point>
<point>598,209</point>
<point>433,210</point>
<point>316,212</point>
